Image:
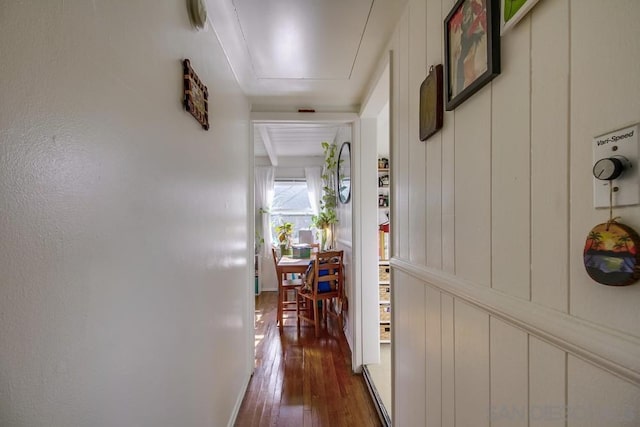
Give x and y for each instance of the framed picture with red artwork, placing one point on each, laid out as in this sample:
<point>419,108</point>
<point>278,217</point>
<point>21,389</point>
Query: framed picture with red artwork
<point>472,49</point>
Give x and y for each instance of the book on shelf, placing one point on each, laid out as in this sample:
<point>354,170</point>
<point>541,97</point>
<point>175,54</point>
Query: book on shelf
<point>383,245</point>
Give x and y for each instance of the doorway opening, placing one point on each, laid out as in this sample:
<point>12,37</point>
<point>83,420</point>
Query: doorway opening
<point>376,283</point>
<point>290,145</point>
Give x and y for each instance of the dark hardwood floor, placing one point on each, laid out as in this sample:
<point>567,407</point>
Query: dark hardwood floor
<point>300,380</point>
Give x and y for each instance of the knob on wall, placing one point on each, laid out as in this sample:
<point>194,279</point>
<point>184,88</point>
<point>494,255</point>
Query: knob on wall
<point>610,168</point>
<point>615,161</point>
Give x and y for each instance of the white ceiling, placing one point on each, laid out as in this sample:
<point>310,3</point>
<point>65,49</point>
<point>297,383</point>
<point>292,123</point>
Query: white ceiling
<point>310,54</point>
<point>277,140</point>
<point>293,39</point>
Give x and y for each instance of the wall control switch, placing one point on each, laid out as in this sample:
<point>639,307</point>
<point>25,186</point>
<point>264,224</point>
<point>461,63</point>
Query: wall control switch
<point>615,159</point>
<point>610,168</point>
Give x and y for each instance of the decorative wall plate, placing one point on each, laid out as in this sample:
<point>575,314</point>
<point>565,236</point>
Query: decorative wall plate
<point>611,254</point>
<point>197,13</point>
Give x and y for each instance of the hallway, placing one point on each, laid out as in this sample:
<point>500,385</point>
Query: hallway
<point>127,229</point>
<point>300,380</point>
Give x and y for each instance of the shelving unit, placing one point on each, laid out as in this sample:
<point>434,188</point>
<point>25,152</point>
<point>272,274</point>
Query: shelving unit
<point>384,278</point>
<point>383,195</point>
<point>384,301</point>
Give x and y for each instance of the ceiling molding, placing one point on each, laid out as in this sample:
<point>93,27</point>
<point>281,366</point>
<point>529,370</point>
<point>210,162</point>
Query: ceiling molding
<point>268,146</point>
<point>277,117</point>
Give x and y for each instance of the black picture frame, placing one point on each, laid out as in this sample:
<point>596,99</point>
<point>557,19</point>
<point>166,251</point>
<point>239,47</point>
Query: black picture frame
<point>471,47</point>
<point>431,108</point>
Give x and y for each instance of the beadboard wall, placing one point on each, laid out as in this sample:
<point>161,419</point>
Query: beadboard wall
<point>495,319</point>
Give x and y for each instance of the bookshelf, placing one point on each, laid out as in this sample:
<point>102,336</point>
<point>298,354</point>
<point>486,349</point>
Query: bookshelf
<point>384,277</point>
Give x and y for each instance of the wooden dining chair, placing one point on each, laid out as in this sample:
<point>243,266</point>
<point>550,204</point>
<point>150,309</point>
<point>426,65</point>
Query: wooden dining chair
<point>323,282</point>
<point>285,287</point>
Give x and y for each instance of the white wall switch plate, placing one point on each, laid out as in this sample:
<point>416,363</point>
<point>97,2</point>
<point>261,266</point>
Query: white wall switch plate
<point>622,142</point>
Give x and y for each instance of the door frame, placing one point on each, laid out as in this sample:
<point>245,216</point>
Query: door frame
<point>367,241</point>
<point>353,323</point>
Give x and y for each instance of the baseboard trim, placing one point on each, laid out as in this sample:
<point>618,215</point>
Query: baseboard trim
<point>377,399</point>
<point>606,348</point>
<point>239,399</point>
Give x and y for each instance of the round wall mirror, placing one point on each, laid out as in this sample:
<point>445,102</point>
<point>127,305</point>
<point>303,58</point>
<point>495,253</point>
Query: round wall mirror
<point>344,173</point>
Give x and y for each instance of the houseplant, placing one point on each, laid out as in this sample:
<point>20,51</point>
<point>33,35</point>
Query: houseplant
<point>324,222</point>
<point>327,216</point>
<point>284,232</point>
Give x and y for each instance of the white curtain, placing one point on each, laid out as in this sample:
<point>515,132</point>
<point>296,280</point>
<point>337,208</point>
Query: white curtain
<point>264,176</point>
<point>314,187</point>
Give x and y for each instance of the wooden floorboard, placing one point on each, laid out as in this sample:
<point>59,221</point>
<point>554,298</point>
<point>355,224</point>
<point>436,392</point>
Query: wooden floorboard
<point>301,380</point>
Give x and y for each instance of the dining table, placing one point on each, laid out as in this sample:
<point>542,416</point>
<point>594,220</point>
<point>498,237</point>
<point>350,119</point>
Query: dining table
<point>289,270</point>
<point>289,265</point>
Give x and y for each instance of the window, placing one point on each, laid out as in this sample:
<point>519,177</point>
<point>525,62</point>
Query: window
<point>291,204</point>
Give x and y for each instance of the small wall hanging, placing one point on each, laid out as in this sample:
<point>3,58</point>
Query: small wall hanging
<point>196,95</point>
<point>471,48</point>
<point>611,254</point>
<point>431,109</point>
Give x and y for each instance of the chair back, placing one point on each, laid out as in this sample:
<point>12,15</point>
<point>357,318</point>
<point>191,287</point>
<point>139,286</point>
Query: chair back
<point>275,263</point>
<point>328,273</point>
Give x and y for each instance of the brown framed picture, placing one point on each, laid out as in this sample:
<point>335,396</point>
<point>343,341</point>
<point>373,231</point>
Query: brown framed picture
<point>471,47</point>
<point>196,95</point>
<point>431,110</point>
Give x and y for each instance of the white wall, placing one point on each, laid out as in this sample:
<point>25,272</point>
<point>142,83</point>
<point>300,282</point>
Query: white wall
<point>495,319</point>
<point>124,229</point>
<point>344,241</point>
<point>374,133</point>
<point>382,132</point>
